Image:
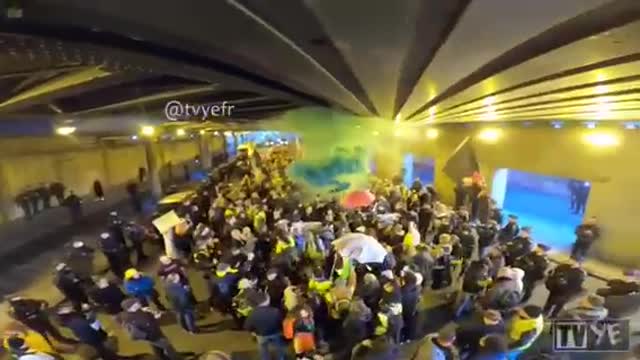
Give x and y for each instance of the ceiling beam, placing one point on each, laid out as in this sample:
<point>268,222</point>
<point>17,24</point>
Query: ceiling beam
<point>151,98</point>
<point>42,92</point>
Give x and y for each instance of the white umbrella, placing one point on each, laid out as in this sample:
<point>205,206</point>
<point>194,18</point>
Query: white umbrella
<point>361,248</point>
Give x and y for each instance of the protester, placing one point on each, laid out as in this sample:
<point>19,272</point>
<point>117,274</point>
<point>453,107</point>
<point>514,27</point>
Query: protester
<point>265,322</point>
<point>141,324</point>
<point>267,249</point>
<point>32,313</point>
<point>86,332</point>
<point>142,288</point>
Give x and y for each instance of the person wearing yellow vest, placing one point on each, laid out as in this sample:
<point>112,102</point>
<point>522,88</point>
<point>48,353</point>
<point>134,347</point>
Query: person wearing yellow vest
<point>319,284</point>
<point>523,329</point>
<point>31,338</point>
<point>283,244</point>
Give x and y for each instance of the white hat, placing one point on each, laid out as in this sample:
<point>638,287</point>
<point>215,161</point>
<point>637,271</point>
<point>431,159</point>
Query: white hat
<point>505,272</point>
<point>77,244</point>
<point>517,273</point>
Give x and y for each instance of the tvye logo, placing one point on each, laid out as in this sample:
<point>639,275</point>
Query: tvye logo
<point>597,336</point>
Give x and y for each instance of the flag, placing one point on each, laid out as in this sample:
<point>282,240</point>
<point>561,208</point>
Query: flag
<point>463,162</point>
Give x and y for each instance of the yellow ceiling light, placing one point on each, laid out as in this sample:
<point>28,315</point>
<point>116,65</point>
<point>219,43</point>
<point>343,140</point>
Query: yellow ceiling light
<point>65,130</point>
<point>432,133</point>
<point>147,130</point>
<point>488,101</point>
<point>181,132</point>
<point>202,132</point>
<point>601,139</point>
<point>490,135</point>
<point>376,133</point>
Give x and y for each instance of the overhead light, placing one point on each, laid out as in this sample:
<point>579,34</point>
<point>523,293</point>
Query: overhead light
<point>488,101</point>
<point>590,125</point>
<point>216,133</point>
<point>227,133</point>
<point>600,139</point>
<point>134,137</point>
<point>181,132</point>
<point>148,130</point>
<point>65,130</point>
<point>376,133</point>
<point>556,124</point>
<point>398,118</point>
<point>432,133</point>
<point>490,135</point>
<point>202,132</point>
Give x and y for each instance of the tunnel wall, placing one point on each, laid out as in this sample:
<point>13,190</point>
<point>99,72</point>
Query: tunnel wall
<point>614,196</point>
<point>78,162</point>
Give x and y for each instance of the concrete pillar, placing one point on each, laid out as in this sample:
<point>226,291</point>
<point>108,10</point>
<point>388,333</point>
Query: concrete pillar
<point>205,151</point>
<point>153,168</point>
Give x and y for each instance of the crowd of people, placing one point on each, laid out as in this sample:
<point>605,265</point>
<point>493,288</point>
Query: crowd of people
<point>266,249</point>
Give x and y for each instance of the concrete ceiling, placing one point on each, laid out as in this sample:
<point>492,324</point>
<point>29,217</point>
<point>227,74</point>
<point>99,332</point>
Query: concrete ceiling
<point>420,61</point>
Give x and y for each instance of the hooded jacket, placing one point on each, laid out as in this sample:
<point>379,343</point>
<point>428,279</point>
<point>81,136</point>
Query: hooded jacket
<point>429,350</point>
<point>503,295</point>
<point>141,287</point>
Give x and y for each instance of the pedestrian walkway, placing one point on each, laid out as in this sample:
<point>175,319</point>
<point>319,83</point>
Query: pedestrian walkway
<point>19,232</point>
<point>28,247</point>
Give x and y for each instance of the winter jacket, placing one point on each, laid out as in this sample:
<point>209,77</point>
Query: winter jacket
<point>468,334</point>
<point>141,325</point>
<point>141,287</point>
<point>179,296</point>
<point>410,299</point>
<point>428,349</point>
<point>82,329</point>
<point>503,295</point>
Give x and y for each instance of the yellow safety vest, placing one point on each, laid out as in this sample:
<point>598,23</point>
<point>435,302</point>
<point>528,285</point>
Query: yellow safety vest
<point>522,326</point>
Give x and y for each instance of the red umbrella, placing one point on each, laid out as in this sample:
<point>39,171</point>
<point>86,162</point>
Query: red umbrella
<point>358,198</point>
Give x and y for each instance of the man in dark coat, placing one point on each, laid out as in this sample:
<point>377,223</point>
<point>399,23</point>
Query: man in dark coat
<point>108,295</point>
<point>535,265</point>
<point>84,330</point>
<point>143,325</point>
<point>586,235</point>
<point>411,290</point>
<point>564,283</point>
<point>468,334</point>
<point>510,230</point>
<point>32,313</point>
<point>71,286</point>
